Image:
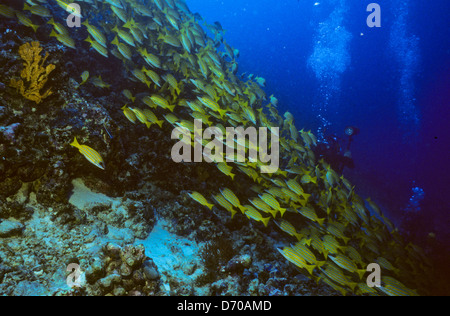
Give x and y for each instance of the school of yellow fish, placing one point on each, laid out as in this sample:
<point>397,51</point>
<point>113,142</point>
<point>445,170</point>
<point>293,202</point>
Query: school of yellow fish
<point>183,70</point>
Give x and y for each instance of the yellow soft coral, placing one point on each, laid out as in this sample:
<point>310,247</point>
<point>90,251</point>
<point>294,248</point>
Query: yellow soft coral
<point>34,74</point>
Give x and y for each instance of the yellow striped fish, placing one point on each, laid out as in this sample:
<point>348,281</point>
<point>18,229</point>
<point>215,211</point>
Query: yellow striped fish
<point>335,274</point>
<point>225,169</point>
<point>125,36</point>
<point>127,93</point>
<point>225,204</point>
<point>346,263</point>
<point>384,263</point>
<point>337,230</point>
<point>232,198</point>
<point>198,197</point>
<point>64,39</point>
<point>96,33</point>
<point>171,119</point>
<point>272,202</point>
<point>331,244</point>
<point>84,77</point>
<point>124,50</point>
<point>97,46</point>
<point>288,228</point>
<point>291,255</point>
<point>149,58</point>
<point>37,10</point>
<point>323,277</point>
<point>161,102</point>
<point>392,287</point>
<point>23,19</point>
<point>152,75</point>
<point>66,5</point>
<point>129,114</point>
<point>252,213</point>
<point>152,118</point>
<point>311,214</point>
<point>141,117</point>
<point>90,154</point>
<point>294,186</point>
<point>120,13</point>
<point>261,205</point>
<point>212,105</point>
<point>7,12</point>
<point>304,252</point>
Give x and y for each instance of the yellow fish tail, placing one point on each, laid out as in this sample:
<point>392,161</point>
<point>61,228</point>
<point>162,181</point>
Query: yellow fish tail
<point>361,273</point>
<point>242,208</point>
<point>265,220</point>
<point>75,143</point>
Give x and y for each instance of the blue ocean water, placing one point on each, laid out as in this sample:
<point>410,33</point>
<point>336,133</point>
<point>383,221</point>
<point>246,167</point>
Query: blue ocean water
<point>330,69</point>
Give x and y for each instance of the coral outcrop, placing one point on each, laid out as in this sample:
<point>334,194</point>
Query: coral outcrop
<point>34,74</point>
<point>120,271</point>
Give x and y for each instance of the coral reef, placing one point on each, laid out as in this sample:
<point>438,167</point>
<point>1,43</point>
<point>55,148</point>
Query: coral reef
<point>34,75</point>
<point>119,271</point>
<point>57,209</point>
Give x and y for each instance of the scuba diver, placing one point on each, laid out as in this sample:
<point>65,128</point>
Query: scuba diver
<point>332,151</point>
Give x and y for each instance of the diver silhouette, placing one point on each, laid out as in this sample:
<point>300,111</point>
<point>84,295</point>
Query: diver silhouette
<point>332,151</point>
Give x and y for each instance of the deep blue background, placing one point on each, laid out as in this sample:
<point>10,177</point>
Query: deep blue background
<point>276,38</point>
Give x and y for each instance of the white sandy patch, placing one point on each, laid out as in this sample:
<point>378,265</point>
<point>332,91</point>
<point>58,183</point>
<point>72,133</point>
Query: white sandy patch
<point>175,256</point>
<point>84,198</point>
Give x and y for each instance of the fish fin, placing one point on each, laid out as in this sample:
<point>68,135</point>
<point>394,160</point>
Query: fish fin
<point>352,285</point>
<point>242,208</point>
<point>320,263</point>
<point>298,236</point>
<point>265,220</point>
<point>310,268</point>
<point>115,41</point>
<point>361,273</point>
<point>75,143</point>
<point>35,27</point>
<point>127,25</point>
<point>222,112</point>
